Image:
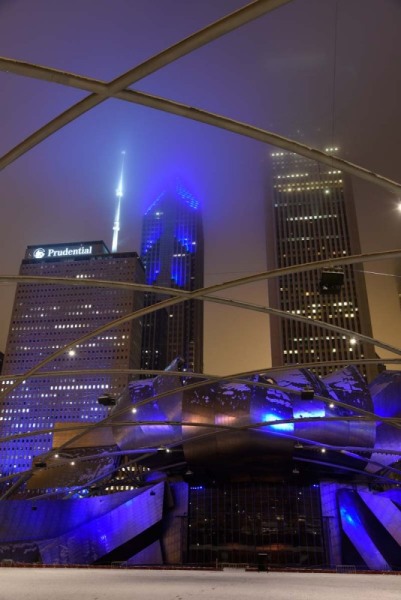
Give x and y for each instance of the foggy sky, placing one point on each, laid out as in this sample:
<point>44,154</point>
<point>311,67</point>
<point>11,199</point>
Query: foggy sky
<point>321,71</point>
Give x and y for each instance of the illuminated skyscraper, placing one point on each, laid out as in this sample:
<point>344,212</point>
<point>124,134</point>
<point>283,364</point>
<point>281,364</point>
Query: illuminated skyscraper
<point>172,254</point>
<point>48,317</point>
<point>312,218</point>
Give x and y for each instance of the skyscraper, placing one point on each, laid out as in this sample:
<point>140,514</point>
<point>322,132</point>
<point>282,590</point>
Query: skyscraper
<point>172,254</point>
<point>48,317</point>
<point>312,218</point>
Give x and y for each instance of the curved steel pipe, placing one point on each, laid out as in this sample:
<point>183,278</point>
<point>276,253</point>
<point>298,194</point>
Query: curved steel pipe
<point>205,293</point>
<point>371,418</point>
<point>182,48</point>
<point>287,367</point>
<point>194,114</point>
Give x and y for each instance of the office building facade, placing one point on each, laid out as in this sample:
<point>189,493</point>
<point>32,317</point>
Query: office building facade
<point>311,218</point>
<point>172,254</point>
<point>47,317</point>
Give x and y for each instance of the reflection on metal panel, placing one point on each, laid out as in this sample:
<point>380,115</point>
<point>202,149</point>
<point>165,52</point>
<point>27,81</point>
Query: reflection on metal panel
<point>386,512</point>
<point>355,527</point>
<point>24,520</point>
<point>71,469</point>
<point>386,394</point>
<point>101,436</point>
<point>99,537</point>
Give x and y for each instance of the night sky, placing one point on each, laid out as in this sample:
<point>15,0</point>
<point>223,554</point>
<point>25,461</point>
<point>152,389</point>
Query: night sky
<point>324,72</point>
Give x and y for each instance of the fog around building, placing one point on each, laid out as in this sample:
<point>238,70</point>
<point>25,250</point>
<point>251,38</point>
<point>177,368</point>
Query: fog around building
<point>323,72</point>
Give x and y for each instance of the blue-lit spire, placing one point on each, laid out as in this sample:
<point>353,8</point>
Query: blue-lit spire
<point>119,195</point>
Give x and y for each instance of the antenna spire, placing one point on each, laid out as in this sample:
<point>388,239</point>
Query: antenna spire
<point>119,195</point>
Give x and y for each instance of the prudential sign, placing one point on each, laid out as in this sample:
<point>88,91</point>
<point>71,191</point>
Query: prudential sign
<point>58,252</point>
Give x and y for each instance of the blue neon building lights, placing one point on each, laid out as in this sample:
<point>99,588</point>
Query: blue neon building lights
<point>172,254</point>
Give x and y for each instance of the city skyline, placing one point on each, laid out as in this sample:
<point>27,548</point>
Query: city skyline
<point>242,464</point>
<point>300,80</point>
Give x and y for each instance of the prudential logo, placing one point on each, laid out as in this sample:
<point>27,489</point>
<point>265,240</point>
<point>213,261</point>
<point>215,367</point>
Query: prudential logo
<point>39,253</point>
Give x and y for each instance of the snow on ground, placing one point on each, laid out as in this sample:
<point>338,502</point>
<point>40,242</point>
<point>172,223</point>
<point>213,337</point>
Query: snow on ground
<point>104,584</point>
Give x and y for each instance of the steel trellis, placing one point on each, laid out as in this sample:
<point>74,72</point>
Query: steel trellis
<point>204,36</point>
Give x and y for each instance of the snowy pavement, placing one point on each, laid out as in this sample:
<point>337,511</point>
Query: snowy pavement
<point>103,584</point>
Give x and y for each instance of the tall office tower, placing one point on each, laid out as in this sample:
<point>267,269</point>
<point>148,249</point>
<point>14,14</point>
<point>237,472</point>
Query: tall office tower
<point>172,254</point>
<point>1,361</point>
<point>312,218</point>
<point>47,317</point>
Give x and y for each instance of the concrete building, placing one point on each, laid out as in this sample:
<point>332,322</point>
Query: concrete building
<point>47,317</point>
<point>312,218</point>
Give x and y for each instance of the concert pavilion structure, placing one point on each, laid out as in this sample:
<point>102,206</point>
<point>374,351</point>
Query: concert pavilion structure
<point>279,468</point>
